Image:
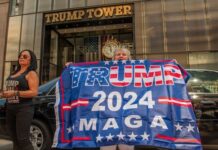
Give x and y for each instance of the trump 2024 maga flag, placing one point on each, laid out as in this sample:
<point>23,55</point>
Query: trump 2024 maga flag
<point>134,102</point>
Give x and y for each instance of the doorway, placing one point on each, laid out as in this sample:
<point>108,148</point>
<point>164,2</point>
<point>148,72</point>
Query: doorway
<point>81,42</point>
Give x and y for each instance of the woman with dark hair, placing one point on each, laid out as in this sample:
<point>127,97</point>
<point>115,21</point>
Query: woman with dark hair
<point>21,87</point>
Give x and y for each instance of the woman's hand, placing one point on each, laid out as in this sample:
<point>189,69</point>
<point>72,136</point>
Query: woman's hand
<point>67,64</point>
<point>7,94</point>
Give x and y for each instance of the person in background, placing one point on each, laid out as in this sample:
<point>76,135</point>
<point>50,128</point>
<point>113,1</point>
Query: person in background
<point>120,54</point>
<point>21,87</point>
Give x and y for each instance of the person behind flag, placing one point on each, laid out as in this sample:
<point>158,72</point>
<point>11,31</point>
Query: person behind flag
<point>120,54</point>
<point>21,86</point>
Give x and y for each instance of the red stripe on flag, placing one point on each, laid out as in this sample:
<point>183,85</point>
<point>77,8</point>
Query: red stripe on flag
<point>128,75</point>
<point>152,66</point>
<point>175,101</point>
<point>113,75</point>
<point>85,138</point>
<point>120,83</point>
<point>178,140</point>
<point>169,73</point>
<point>169,82</point>
<point>139,67</point>
<point>158,73</point>
<point>76,103</point>
<point>62,111</point>
<point>130,67</point>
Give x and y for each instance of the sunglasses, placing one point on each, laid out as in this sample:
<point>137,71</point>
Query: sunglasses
<point>24,56</point>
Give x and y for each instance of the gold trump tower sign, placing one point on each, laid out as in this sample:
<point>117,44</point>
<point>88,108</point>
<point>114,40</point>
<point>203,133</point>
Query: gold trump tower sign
<point>90,13</point>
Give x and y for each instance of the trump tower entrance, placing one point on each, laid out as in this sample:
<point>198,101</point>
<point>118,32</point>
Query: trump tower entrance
<point>87,35</point>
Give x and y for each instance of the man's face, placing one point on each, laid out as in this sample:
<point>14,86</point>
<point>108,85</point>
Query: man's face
<point>121,55</point>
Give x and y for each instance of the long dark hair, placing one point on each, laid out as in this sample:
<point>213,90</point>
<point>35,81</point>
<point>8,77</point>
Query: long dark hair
<point>33,61</point>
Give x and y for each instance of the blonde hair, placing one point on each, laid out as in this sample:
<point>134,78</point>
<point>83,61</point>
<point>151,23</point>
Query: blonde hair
<point>124,50</point>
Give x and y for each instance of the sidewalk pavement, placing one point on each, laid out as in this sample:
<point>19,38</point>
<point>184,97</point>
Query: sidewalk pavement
<point>5,144</point>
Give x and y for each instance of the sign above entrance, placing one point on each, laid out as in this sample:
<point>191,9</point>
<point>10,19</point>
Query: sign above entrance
<point>89,13</point>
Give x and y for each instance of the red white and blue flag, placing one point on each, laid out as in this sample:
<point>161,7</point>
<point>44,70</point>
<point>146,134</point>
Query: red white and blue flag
<point>134,102</point>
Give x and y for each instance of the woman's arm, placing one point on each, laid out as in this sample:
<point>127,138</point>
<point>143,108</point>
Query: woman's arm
<point>33,82</point>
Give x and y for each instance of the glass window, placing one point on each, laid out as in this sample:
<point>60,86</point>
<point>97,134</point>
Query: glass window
<point>29,6</point>
<point>3,33</point>
<point>196,25</point>
<point>60,4</point>
<point>38,35</point>
<point>175,29</point>
<point>7,71</point>
<point>94,2</point>
<point>154,56</point>
<point>213,22</point>
<point>27,35</point>
<point>16,7</point>
<point>13,38</point>
<point>44,5</point>
<point>154,26</point>
<point>204,60</point>
<point>203,81</point>
<point>113,1</point>
<point>76,3</point>
<point>38,66</point>
<point>181,58</point>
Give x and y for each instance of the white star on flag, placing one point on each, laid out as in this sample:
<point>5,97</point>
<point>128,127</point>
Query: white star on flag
<point>110,137</point>
<point>99,138</point>
<point>132,61</point>
<point>132,137</point>
<point>106,62</point>
<point>141,61</point>
<point>145,136</point>
<point>178,127</point>
<point>69,130</point>
<point>120,136</point>
<point>115,62</point>
<point>123,61</point>
<point>190,127</point>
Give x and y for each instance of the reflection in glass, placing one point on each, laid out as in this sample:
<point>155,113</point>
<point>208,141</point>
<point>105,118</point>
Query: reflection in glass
<point>29,6</point>
<point>203,81</point>
<point>38,35</point>
<point>27,35</point>
<point>213,23</point>
<point>181,58</point>
<point>113,1</point>
<point>60,4</point>
<point>76,3</point>
<point>44,5</point>
<point>13,38</point>
<point>16,7</point>
<point>204,60</point>
<point>175,27</point>
<point>94,2</point>
<point>7,71</point>
<point>154,26</point>
<point>196,25</point>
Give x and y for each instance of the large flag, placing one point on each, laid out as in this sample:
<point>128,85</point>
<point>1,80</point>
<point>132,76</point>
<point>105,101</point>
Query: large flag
<point>134,102</point>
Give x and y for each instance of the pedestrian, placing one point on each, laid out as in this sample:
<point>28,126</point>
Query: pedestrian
<point>120,54</point>
<point>21,86</point>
